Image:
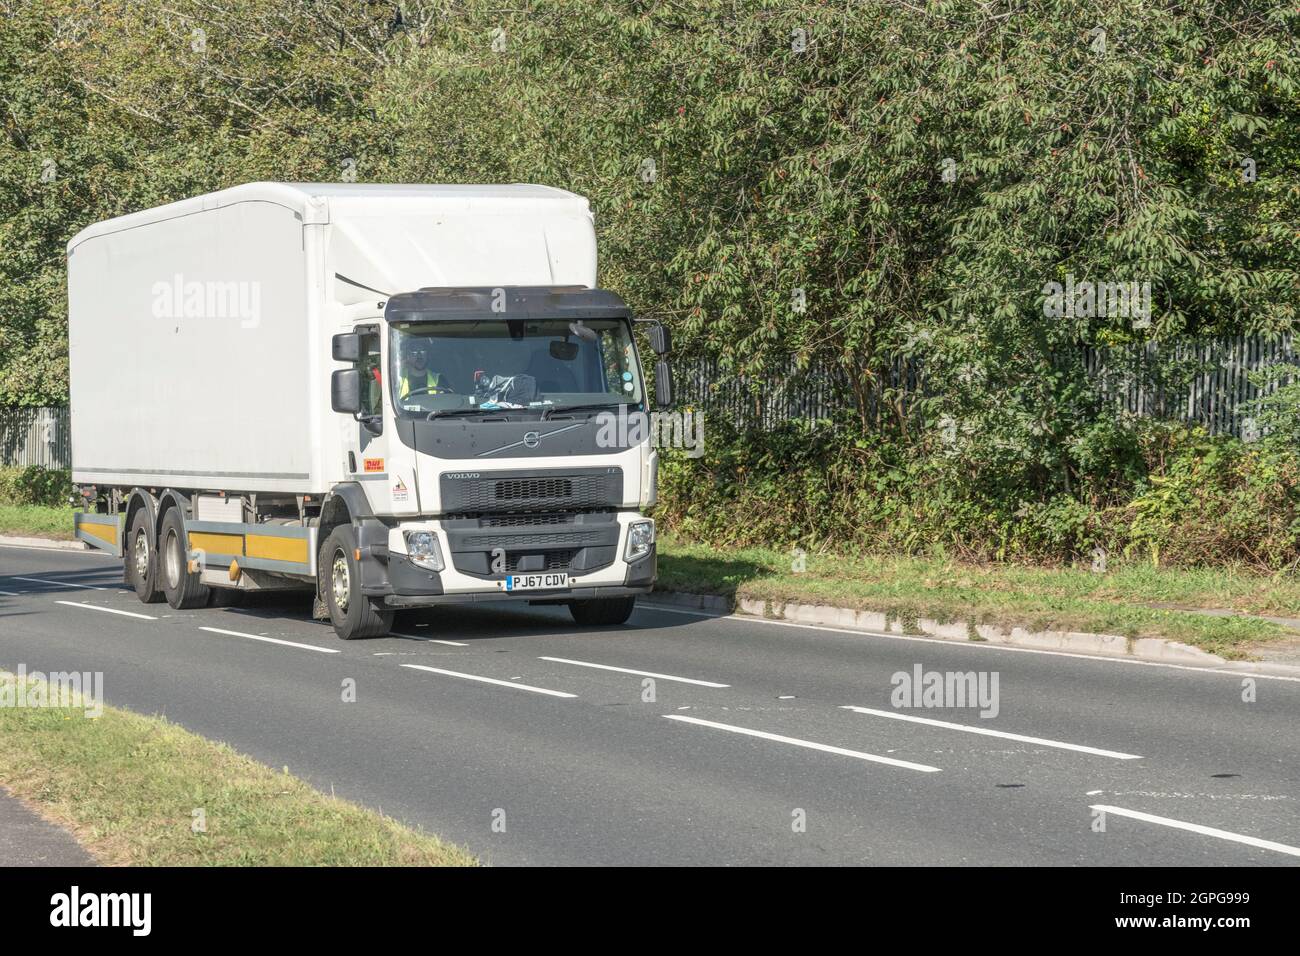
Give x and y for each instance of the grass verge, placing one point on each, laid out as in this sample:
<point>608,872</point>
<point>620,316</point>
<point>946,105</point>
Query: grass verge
<point>1130,600</point>
<point>35,521</point>
<point>128,785</point>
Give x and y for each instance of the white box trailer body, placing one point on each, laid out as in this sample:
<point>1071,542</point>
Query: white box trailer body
<point>243,361</point>
<point>205,323</point>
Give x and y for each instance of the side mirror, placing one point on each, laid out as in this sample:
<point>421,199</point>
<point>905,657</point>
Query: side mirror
<point>661,340</point>
<point>346,347</point>
<point>345,391</point>
<point>663,384</point>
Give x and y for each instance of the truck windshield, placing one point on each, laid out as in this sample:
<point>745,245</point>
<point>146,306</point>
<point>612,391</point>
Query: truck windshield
<point>517,364</point>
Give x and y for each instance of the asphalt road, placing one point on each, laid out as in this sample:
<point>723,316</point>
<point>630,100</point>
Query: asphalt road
<point>507,737</point>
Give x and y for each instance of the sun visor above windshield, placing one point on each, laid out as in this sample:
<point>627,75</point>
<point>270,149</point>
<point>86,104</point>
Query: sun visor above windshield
<point>505,302</point>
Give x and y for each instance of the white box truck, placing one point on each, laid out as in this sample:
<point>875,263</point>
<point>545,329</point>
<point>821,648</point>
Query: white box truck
<point>394,395</point>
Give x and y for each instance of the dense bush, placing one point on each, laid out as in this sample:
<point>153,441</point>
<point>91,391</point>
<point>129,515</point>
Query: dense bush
<point>35,485</point>
<point>846,185</point>
<point>1176,496</point>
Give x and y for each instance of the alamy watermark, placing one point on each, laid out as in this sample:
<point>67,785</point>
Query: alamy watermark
<point>1086,300</point>
<point>674,429</point>
<point>57,690</point>
<point>129,910</point>
<point>182,299</point>
<point>946,689</point>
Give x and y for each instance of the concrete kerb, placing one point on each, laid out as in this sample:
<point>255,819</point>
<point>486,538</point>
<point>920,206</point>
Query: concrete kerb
<point>1075,642</point>
<point>52,544</point>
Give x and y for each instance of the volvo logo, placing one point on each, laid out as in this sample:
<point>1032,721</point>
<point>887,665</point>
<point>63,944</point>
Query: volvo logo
<point>532,439</point>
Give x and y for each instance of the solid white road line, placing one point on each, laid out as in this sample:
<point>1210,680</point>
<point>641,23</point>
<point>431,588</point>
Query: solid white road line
<point>271,640</point>
<point>1197,828</point>
<point>68,584</point>
<point>107,610</point>
<point>811,745</point>
<point>981,645</point>
<point>1042,741</point>
<point>431,640</point>
<point>489,680</point>
<point>628,670</point>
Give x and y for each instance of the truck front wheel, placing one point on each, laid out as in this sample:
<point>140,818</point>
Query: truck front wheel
<point>183,588</point>
<point>351,612</point>
<point>604,611</point>
<point>140,560</point>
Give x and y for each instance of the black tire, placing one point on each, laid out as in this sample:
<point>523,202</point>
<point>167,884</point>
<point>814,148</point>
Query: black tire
<point>353,615</point>
<point>182,587</point>
<point>603,611</point>
<point>140,559</point>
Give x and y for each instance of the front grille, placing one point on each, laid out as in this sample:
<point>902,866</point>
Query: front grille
<point>589,489</point>
<point>526,489</point>
<point>541,540</point>
<point>525,521</point>
<point>555,560</point>
<point>559,540</point>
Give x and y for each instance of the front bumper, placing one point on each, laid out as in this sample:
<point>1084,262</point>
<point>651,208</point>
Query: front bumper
<point>390,576</point>
<point>532,597</point>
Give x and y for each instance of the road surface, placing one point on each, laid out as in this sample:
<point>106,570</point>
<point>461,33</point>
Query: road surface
<point>529,740</point>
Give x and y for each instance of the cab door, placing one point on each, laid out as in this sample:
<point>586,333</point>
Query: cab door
<point>389,482</point>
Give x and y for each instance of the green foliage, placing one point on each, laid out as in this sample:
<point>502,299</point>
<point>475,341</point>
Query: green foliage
<point>1177,497</point>
<point>915,174</point>
<point>35,485</point>
<point>113,106</point>
<point>1277,411</point>
<point>1220,500</point>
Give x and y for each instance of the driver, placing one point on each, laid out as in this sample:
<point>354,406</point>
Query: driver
<point>416,376</point>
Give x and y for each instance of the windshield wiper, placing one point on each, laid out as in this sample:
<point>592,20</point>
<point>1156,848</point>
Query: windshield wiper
<point>548,412</point>
<point>450,412</point>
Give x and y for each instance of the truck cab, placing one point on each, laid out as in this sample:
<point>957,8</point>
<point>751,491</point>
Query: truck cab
<point>499,439</point>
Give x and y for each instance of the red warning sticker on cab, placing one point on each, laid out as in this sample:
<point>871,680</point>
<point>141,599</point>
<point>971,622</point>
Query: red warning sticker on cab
<point>374,464</point>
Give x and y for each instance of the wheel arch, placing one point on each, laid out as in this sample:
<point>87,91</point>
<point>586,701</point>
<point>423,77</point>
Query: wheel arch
<point>345,504</point>
<point>169,499</point>
<point>139,499</point>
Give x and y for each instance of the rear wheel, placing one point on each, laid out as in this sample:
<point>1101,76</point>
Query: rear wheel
<point>140,560</point>
<point>183,588</point>
<point>603,611</point>
<point>353,614</point>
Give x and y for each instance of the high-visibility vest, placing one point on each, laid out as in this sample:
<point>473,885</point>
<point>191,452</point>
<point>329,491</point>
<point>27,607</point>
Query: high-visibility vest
<point>434,380</point>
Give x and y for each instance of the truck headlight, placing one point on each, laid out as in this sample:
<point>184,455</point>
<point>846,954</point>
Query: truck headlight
<point>640,536</point>
<point>423,549</point>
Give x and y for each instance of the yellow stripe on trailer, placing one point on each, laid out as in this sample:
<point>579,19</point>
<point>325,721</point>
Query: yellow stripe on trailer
<point>265,547</point>
<point>99,531</point>
<point>217,543</point>
<point>275,548</point>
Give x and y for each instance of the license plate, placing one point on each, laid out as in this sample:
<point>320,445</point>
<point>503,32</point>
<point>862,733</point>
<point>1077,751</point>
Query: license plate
<point>534,582</point>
